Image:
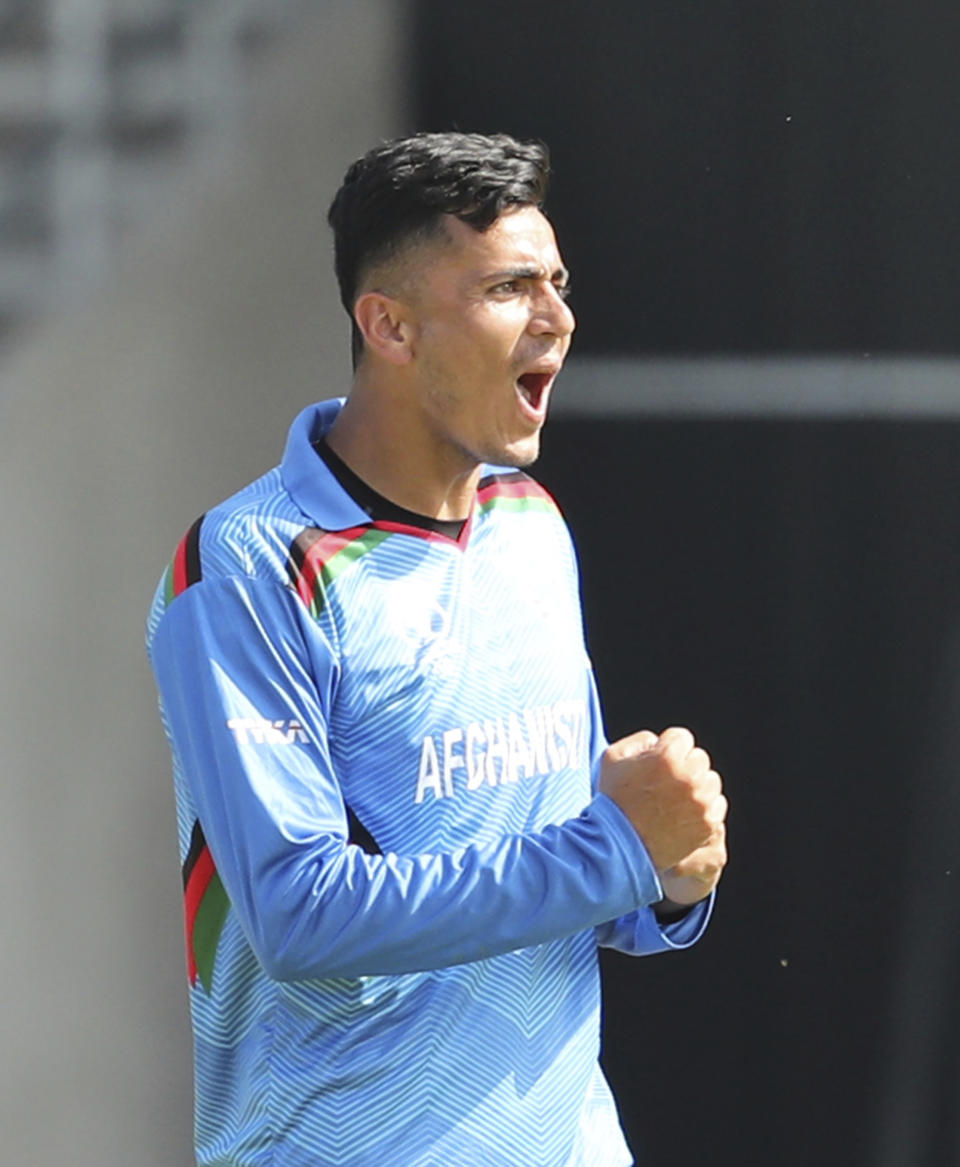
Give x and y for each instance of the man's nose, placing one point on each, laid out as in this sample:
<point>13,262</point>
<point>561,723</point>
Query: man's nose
<point>553,313</point>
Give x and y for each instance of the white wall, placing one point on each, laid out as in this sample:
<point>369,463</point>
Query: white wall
<point>118,425</point>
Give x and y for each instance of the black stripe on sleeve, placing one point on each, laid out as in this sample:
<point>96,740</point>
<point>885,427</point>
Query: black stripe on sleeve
<point>197,844</point>
<point>193,552</point>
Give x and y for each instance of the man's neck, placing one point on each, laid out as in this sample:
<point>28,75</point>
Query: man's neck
<point>390,456</point>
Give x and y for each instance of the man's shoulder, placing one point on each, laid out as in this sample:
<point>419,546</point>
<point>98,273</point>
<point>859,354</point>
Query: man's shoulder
<point>251,533</point>
<point>508,489</point>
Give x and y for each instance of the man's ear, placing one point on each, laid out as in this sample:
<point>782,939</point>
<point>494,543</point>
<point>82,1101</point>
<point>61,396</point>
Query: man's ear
<point>386,327</point>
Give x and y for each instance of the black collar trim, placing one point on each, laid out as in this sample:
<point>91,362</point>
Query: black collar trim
<point>381,509</point>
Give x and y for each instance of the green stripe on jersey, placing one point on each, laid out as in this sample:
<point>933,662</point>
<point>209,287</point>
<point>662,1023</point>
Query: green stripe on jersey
<point>530,502</point>
<point>211,914</point>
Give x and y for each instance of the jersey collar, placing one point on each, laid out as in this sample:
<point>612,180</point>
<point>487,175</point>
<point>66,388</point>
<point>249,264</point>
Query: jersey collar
<point>313,485</point>
<point>309,480</point>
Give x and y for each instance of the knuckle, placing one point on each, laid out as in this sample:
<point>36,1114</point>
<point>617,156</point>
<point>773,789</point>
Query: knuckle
<point>631,746</point>
<point>699,759</point>
<point>713,785</point>
<point>677,737</point>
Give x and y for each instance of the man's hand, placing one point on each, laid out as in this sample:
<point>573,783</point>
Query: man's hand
<point>694,878</point>
<point>666,787</point>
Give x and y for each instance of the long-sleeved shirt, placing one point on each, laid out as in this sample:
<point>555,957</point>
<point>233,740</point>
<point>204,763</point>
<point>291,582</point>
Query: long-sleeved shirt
<point>397,869</point>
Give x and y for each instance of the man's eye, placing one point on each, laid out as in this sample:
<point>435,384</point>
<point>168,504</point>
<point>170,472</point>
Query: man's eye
<point>507,286</point>
<point>563,291</point>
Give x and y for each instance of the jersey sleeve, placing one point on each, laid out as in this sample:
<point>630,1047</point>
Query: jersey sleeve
<point>640,933</point>
<point>246,682</point>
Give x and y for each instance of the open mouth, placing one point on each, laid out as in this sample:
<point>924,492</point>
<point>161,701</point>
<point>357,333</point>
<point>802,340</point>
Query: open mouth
<point>532,387</point>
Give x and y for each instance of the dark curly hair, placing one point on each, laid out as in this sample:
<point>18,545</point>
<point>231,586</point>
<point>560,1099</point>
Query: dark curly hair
<point>397,194</point>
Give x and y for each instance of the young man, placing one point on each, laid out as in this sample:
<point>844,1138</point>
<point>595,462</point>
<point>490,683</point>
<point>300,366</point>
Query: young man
<point>403,835</point>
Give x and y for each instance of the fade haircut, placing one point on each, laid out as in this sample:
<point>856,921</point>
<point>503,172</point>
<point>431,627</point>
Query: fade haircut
<point>397,194</point>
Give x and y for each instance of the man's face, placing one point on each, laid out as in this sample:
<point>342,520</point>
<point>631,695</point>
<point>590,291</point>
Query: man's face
<point>491,331</point>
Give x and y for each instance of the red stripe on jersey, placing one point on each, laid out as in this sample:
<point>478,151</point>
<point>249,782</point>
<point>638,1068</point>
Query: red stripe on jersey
<point>407,529</point>
<point>180,566</point>
<point>201,874</point>
<point>318,554</point>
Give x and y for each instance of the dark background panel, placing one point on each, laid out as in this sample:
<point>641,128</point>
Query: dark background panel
<point>790,591</point>
<point>740,177</point>
<point>729,176</point>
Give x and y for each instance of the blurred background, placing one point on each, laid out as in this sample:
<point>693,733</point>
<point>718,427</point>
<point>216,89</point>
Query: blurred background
<point>757,444</point>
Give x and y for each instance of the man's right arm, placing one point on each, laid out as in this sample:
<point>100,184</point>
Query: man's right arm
<point>239,664</point>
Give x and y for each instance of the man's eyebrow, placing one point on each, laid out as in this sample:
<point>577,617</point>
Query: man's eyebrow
<point>530,272</point>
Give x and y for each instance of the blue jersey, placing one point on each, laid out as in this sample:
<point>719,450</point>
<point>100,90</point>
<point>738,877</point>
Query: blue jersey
<point>396,868</point>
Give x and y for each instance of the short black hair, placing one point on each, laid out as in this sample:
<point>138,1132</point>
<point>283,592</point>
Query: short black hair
<point>398,192</point>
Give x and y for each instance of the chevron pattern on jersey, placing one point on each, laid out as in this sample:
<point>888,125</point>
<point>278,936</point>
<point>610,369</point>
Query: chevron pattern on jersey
<point>425,1101</point>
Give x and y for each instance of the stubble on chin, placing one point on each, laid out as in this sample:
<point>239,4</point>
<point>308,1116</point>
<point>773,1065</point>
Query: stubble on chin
<point>519,455</point>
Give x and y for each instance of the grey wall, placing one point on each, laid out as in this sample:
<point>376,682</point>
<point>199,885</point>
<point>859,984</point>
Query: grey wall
<point>118,425</point>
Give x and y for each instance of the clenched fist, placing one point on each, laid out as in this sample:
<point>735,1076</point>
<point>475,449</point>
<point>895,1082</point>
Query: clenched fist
<point>666,787</point>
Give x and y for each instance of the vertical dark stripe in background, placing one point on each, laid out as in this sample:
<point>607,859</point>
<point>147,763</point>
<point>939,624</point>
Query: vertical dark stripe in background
<point>736,178</point>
